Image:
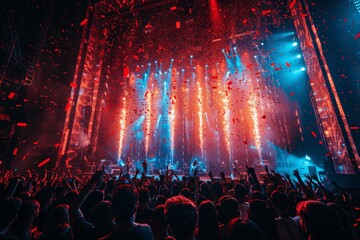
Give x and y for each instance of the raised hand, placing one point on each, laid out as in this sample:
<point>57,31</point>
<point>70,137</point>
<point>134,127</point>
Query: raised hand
<point>308,177</point>
<point>296,173</point>
<point>97,177</point>
<point>250,170</point>
<point>267,169</point>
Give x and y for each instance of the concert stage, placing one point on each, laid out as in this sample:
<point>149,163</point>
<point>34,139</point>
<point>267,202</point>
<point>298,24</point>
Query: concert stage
<point>223,83</point>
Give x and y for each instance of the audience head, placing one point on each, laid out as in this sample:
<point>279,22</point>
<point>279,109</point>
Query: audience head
<point>58,216</point>
<point>208,225</point>
<point>279,200</point>
<point>320,221</point>
<point>124,203</point>
<point>262,216</point>
<point>144,196</point>
<point>228,209</point>
<point>217,189</point>
<point>236,229</point>
<point>101,214</point>
<point>181,215</point>
<point>240,192</point>
<point>60,232</point>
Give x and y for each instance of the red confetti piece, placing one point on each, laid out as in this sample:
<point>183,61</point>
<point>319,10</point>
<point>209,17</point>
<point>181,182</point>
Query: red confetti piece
<point>57,145</point>
<point>177,25</point>
<point>314,134</point>
<point>245,142</point>
<point>292,4</point>
<point>67,107</point>
<point>15,151</point>
<point>309,45</point>
<point>245,21</point>
<point>229,83</point>
<point>73,85</point>
<point>354,128</point>
<point>11,95</point>
<point>146,94</point>
<point>173,8</point>
<point>83,22</point>
<point>21,124</point>
<point>266,12</point>
<point>214,77</point>
<point>44,162</point>
<point>320,142</point>
<point>288,64</point>
<point>357,36</point>
<point>263,117</point>
<point>126,71</point>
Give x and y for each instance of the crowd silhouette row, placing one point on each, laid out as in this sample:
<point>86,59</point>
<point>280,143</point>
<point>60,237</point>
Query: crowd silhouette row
<point>59,205</point>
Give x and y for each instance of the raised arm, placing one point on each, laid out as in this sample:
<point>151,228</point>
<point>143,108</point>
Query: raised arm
<point>251,172</point>
<point>78,201</point>
<point>308,193</point>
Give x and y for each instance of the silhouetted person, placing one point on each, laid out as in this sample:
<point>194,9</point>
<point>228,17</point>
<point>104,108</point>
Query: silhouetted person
<point>181,215</point>
<point>124,209</point>
<point>23,225</point>
<point>208,225</point>
<point>8,212</point>
<point>287,227</point>
<point>158,223</point>
<point>60,232</point>
<point>143,212</point>
<point>260,214</point>
<point>58,216</point>
<point>320,221</point>
<point>237,230</point>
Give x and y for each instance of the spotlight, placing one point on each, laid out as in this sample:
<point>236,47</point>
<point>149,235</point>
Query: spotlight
<point>182,70</point>
<point>294,44</point>
<point>307,157</point>
<point>149,64</point>
<point>223,50</point>
<point>302,69</point>
<point>262,44</point>
<point>191,56</point>
<point>155,61</point>
<point>206,65</point>
<point>172,59</point>
<point>298,56</point>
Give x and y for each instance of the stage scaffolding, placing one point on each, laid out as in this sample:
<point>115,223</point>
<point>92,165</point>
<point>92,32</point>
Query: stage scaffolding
<point>342,155</point>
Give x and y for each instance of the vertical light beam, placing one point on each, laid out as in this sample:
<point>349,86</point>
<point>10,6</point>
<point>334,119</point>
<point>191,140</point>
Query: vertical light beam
<point>201,120</point>
<point>148,121</point>
<point>255,118</point>
<point>122,127</point>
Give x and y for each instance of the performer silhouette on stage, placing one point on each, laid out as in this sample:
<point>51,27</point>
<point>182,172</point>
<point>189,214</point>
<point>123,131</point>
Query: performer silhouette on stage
<point>144,165</point>
<point>128,164</point>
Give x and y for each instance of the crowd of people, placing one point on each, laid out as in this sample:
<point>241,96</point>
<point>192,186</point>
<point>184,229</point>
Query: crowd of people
<point>59,205</point>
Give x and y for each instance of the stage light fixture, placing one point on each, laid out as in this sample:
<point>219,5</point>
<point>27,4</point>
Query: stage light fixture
<point>357,4</point>
<point>294,44</point>
<point>298,56</point>
<point>302,69</point>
